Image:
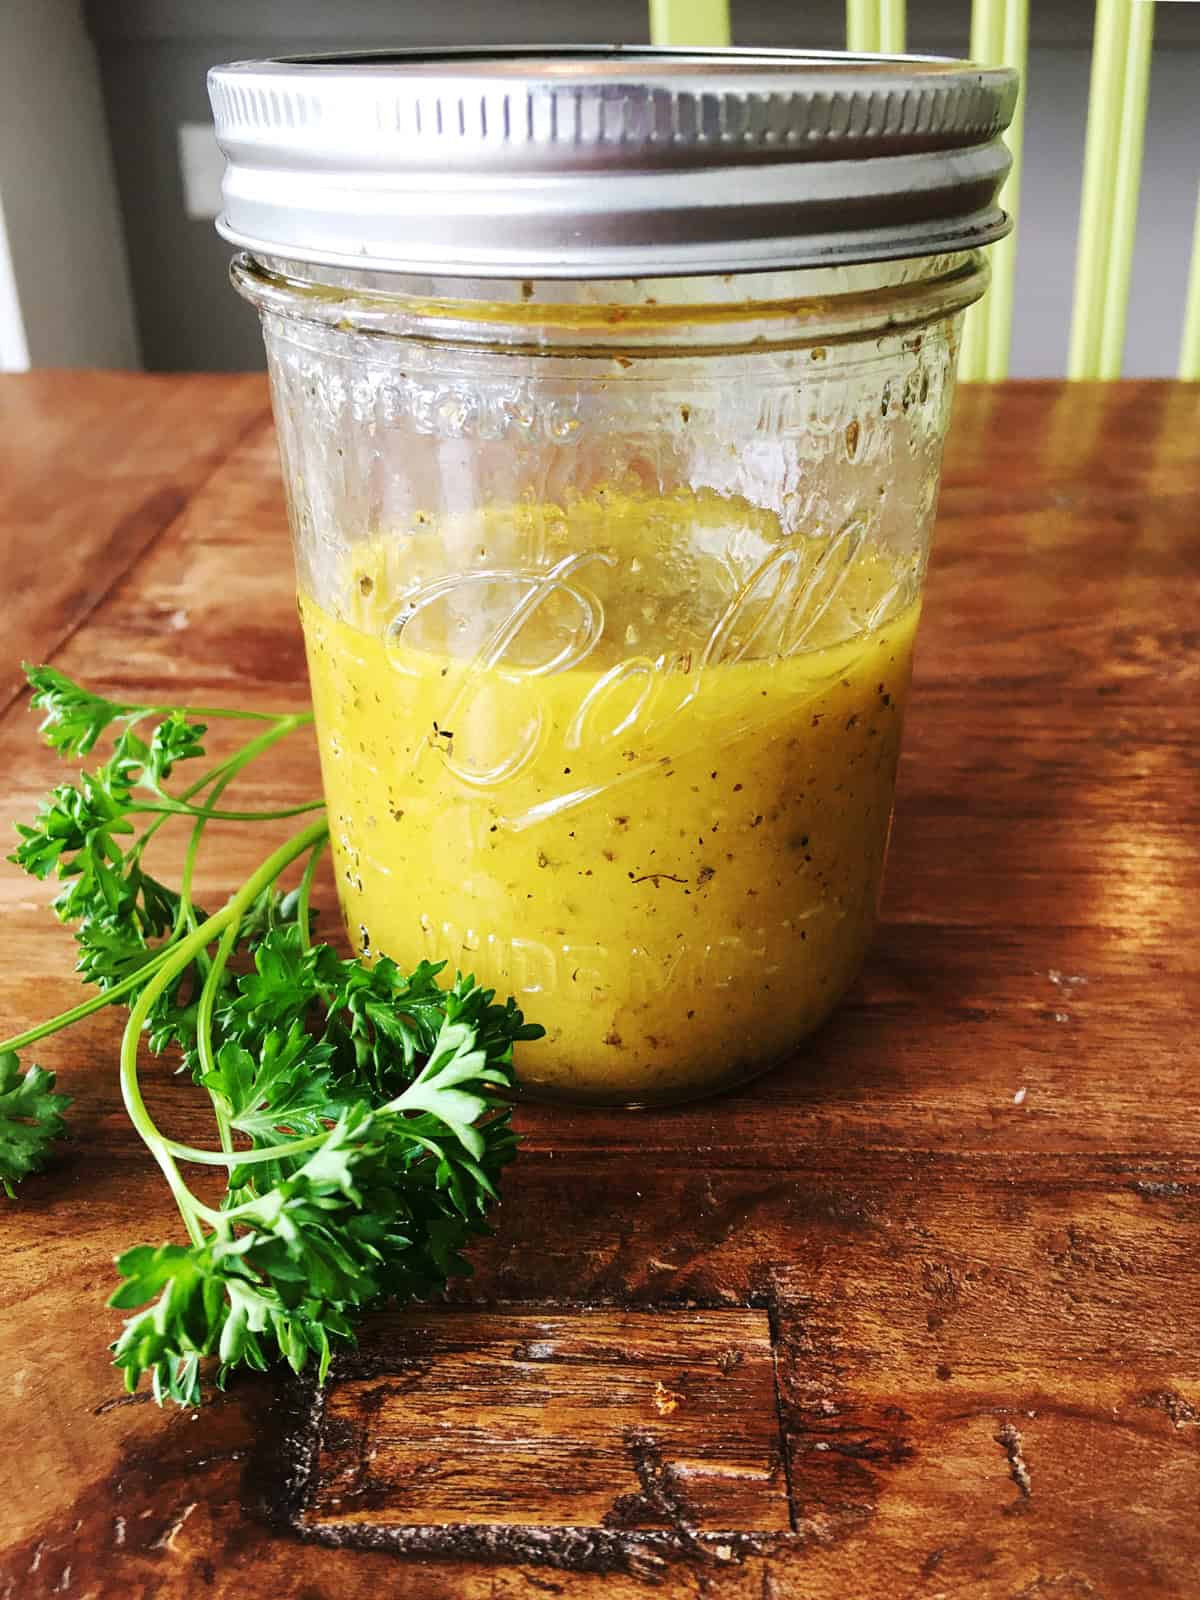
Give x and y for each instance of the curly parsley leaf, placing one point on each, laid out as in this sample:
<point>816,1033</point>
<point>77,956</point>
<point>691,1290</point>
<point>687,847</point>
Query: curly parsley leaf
<point>30,1119</point>
<point>79,833</point>
<point>282,1092</point>
<point>75,718</point>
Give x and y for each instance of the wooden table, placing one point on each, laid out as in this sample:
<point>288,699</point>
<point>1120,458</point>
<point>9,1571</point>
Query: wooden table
<point>919,1316</point>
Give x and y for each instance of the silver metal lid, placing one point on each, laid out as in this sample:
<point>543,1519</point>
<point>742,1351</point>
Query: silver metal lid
<point>596,162</point>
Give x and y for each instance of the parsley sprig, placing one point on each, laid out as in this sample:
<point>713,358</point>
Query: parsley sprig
<point>30,1119</point>
<point>361,1113</point>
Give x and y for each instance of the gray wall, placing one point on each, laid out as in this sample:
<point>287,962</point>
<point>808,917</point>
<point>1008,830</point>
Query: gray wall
<point>58,197</point>
<point>154,55</point>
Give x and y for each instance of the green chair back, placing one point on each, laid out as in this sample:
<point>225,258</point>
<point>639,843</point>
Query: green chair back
<point>1112,168</point>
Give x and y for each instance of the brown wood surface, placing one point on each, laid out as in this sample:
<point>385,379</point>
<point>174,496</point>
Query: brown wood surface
<point>534,1420</point>
<point>91,482</point>
<point>964,1227</point>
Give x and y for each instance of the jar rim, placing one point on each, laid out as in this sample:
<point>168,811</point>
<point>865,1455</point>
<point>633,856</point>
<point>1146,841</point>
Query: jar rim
<point>641,318</point>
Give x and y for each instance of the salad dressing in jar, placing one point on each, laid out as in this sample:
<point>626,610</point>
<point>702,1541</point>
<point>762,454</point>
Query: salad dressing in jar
<point>611,410</point>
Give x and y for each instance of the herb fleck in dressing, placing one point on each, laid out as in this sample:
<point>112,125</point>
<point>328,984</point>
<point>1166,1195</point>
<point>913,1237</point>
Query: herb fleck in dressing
<point>678,854</point>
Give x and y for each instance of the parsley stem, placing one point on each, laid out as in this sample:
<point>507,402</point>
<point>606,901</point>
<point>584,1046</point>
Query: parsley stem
<point>306,883</point>
<point>223,772</point>
<point>210,814</point>
<point>204,1016</point>
<point>245,1158</point>
<point>220,777</point>
<point>85,1008</point>
<point>231,713</point>
<point>185,914</point>
<point>181,952</point>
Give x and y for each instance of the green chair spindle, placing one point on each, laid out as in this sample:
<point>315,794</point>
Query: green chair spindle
<point>1111,179</point>
<point>701,23</point>
<point>1189,354</point>
<point>1119,90</point>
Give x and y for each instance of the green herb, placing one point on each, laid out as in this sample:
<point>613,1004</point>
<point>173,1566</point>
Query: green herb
<point>360,1111</point>
<point>30,1118</point>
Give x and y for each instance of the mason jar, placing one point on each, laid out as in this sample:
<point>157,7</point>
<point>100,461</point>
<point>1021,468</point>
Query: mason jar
<point>611,389</point>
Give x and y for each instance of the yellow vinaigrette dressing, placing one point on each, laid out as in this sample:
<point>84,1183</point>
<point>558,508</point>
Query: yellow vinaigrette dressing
<point>672,861</point>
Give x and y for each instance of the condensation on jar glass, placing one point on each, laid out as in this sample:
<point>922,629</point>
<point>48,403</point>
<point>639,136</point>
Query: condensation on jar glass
<point>611,390</point>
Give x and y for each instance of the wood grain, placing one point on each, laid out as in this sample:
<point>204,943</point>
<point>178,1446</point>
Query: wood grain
<point>600,1419</point>
<point>970,1213</point>
<point>89,486</point>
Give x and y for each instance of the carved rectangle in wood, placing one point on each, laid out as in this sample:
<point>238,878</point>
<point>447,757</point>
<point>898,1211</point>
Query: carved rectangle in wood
<point>606,1419</point>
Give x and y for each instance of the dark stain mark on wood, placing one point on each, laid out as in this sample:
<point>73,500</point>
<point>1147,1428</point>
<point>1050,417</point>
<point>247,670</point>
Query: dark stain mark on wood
<point>598,1551</point>
<point>143,1397</point>
<point>1154,1189</point>
<point>876,1448</point>
<point>1180,1411</point>
<point>1010,1439</point>
<point>781,1408</point>
<point>280,1471</point>
<point>661,1497</point>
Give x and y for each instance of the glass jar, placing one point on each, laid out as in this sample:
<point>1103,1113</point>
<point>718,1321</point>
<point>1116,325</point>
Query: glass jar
<point>609,588</point>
